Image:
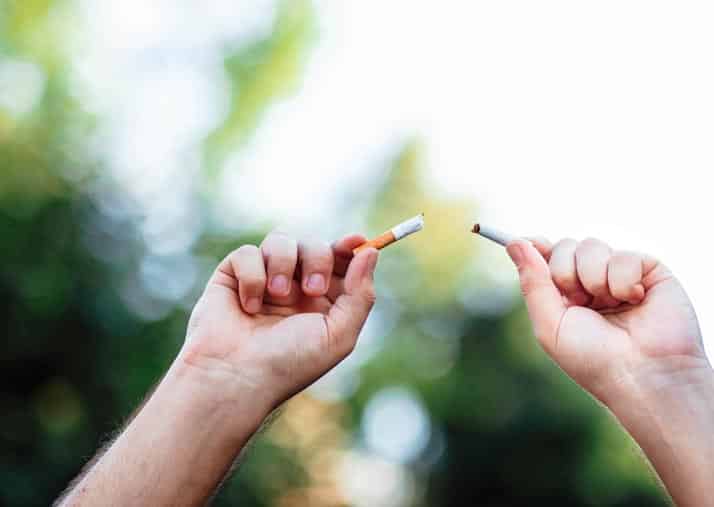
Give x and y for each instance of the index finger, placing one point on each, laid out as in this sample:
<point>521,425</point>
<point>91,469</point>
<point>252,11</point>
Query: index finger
<point>342,250</point>
<point>543,245</point>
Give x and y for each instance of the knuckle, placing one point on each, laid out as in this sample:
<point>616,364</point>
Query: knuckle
<point>279,242</point>
<point>317,254</point>
<point>591,241</point>
<point>591,244</point>
<point>246,250</point>
<point>325,248</point>
<point>564,248</point>
<point>278,233</point>
<point>624,258</point>
<point>619,257</point>
<point>565,243</point>
<point>280,256</point>
<point>322,250</point>
<point>241,257</point>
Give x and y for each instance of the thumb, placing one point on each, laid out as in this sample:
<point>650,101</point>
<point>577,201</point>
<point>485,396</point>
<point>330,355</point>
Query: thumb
<point>544,301</point>
<point>350,311</point>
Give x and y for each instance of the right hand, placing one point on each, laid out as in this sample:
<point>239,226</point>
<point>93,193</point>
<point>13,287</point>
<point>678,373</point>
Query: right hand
<point>613,320</point>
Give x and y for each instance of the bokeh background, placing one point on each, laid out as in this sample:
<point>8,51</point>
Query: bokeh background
<point>142,141</point>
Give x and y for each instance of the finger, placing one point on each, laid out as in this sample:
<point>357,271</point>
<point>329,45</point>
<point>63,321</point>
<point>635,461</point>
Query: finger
<point>309,305</point>
<point>292,298</point>
<point>281,253</point>
<point>343,251</point>
<point>543,245</point>
<point>544,302</point>
<point>351,309</point>
<point>337,288</point>
<point>591,260</point>
<point>316,262</point>
<point>624,277</point>
<point>564,273</point>
<point>653,272</point>
<point>249,268</point>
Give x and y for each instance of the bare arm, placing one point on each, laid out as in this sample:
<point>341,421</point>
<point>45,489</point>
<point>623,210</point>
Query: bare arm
<point>622,327</point>
<point>178,447</point>
<point>669,411</point>
<point>256,337</point>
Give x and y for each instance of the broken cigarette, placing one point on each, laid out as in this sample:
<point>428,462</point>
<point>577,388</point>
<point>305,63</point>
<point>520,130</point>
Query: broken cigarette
<point>495,235</point>
<point>393,235</point>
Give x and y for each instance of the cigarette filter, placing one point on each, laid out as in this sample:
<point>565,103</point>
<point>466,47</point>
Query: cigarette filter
<point>393,235</point>
<point>495,235</point>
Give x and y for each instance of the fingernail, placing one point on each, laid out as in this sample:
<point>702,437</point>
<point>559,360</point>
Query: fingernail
<point>515,251</point>
<point>253,305</point>
<point>316,282</point>
<point>279,284</point>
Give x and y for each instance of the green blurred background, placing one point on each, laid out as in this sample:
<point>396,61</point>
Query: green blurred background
<point>447,401</point>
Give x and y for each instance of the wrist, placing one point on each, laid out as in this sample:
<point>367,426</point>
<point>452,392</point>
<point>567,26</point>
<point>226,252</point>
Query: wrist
<point>663,398</point>
<point>214,387</point>
<point>667,406</point>
<point>653,382</point>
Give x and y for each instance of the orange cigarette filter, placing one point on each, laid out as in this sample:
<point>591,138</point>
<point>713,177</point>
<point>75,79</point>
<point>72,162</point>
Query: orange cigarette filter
<point>393,235</point>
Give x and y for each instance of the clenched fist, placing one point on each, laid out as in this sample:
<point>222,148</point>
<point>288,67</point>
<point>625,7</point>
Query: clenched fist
<point>279,316</point>
<point>611,319</point>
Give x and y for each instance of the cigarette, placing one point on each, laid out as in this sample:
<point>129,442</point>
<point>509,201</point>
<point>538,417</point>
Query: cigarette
<point>393,235</point>
<point>495,235</point>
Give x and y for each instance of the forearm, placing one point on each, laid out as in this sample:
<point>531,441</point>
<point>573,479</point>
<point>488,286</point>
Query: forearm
<point>668,408</point>
<point>178,448</point>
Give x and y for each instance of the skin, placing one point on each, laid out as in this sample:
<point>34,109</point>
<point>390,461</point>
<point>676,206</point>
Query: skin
<point>271,321</point>
<point>275,318</point>
<point>622,327</point>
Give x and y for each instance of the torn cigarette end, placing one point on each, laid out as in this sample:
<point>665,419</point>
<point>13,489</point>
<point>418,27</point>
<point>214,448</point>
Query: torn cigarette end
<point>494,235</point>
<point>393,235</point>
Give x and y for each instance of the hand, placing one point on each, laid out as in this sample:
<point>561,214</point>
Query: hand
<point>611,319</point>
<point>278,317</point>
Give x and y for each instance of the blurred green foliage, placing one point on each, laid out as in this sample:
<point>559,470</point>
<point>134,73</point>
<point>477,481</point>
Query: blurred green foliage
<point>507,427</point>
<point>260,73</point>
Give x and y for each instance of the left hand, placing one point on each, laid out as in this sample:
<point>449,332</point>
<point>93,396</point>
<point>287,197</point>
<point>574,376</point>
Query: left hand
<point>276,318</point>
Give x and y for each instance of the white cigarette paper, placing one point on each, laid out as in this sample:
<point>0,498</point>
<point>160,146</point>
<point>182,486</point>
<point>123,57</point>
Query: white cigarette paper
<point>495,235</point>
<point>411,226</point>
<point>393,235</point>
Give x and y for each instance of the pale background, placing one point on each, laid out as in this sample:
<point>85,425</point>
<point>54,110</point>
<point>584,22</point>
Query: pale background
<point>560,118</point>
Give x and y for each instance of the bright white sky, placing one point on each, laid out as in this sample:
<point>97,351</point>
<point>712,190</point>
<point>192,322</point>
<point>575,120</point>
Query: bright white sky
<point>559,118</point>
